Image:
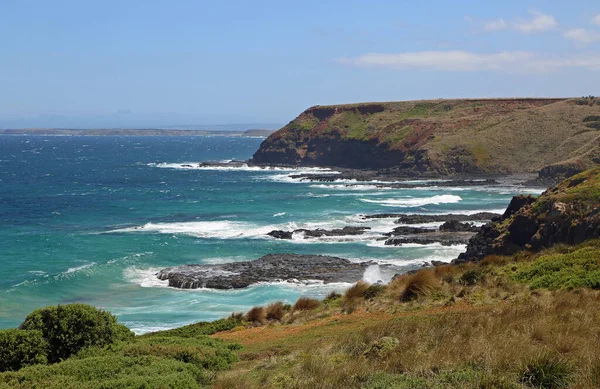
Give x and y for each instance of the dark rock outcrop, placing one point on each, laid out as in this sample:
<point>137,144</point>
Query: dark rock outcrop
<point>419,219</point>
<point>566,213</point>
<point>456,226</point>
<point>279,234</point>
<point>272,267</point>
<point>443,238</point>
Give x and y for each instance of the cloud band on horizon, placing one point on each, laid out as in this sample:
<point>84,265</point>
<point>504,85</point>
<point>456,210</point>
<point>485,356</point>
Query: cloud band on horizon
<point>465,61</point>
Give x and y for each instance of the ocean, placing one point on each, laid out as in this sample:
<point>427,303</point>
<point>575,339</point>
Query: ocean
<point>92,219</point>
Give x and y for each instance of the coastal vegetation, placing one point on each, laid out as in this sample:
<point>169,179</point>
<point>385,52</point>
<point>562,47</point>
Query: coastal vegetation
<point>523,317</point>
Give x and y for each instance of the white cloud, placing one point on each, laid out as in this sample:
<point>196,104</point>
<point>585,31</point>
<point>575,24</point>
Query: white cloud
<point>496,25</point>
<point>538,23</point>
<point>596,19</point>
<point>465,61</point>
<point>582,36</point>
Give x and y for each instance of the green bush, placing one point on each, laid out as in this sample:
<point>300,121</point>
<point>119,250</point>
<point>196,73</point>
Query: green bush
<point>110,372</point>
<point>200,328</point>
<point>70,328</point>
<point>19,348</point>
<point>576,269</point>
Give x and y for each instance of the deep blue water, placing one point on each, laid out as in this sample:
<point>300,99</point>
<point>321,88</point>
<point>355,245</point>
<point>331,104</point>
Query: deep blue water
<point>91,219</point>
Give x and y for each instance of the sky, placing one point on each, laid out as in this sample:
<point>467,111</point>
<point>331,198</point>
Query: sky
<point>157,63</point>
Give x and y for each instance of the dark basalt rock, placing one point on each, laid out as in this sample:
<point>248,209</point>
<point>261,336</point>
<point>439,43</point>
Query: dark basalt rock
<point>272,267</point>
<point>566,213</point>
<point>456,226</point>
<point>410,231</point>
<point>279,234</point>
<point>419,219</point>
<point>445,239</point>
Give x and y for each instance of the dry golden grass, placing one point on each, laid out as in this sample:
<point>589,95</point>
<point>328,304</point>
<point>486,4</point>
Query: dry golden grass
<point>306,304</point>
<point>356,291</point>
<point>417,285</point>
<point>275,311</point>
<point>501,345</point>
<point>467,326</point>
<point>257,315</point>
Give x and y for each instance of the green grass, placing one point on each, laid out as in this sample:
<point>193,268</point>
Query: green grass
<point>355,126</point>
<point>575,269</point>
<point>200,328</point>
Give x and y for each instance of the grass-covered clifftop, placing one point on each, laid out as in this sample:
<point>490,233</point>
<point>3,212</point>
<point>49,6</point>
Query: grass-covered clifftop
<point>443,136</point>
<point>566,213</point>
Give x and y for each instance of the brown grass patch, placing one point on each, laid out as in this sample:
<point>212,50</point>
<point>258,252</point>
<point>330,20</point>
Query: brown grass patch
<point>419,284</point>
<point>257,315</point>
<point>306,304</point>
<point>356,291</point>
<point>275,311</point>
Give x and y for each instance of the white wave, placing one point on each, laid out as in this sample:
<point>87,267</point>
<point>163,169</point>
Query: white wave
<point>243,167</point>
<point>79,268</point>
<point>208,229</point>
<point>146,278</point>
<point>415,201</point>
<point>37,272</point>
<point>373,274</point>
<point>279,214</point>
<point>349,187</point>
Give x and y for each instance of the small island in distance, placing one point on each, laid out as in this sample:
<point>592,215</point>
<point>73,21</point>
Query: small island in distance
<point>133,132</point>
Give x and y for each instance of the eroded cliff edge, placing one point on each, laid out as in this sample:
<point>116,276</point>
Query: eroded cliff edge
<point>568,213</point>
<point>443,137</point>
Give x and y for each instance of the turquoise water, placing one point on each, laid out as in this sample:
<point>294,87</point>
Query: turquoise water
<point>91,219</point>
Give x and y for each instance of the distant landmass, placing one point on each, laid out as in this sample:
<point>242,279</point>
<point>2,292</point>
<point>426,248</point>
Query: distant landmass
<point>556,136</point>
<point>135,132</point>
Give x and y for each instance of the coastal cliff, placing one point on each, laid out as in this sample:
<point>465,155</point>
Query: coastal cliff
<point>443,137</point>
<point>566,213</point>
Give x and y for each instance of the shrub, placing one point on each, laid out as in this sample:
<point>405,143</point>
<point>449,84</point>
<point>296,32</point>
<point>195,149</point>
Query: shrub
<point>546,372</point>
<point>357,290</point>
<point>419,284</point>
<point>257,315</point>
<point>19,348</point>
<point>373,291</point>
<point>306,304</point>
<point>471,277</point>
<point>201,328</point>
<point>275,311</point>
<point>69,328</point>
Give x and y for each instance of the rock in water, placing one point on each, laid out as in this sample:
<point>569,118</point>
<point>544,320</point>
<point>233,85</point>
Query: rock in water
<point>272,267</point>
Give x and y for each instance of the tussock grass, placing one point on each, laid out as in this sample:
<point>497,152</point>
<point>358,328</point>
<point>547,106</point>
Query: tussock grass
<point>275,311</point>
<point>257,315</point>
<point>306,304</point>
<point>356,291</point>
<point>420,284</point>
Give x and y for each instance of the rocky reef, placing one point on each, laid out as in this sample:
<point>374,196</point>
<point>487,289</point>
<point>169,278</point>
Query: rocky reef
<point>269,268</point>
<point>566,213</point>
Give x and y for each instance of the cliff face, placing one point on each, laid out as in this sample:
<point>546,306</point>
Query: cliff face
<point>442,136</point>
<point>566,213</point>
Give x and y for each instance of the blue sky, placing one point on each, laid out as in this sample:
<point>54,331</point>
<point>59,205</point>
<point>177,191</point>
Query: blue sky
<point>101,63</point>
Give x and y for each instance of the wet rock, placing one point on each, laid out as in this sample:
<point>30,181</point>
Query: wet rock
<point>419,219</point>
<point>279,234</point>
<point>270,268</point>
<point>456,226</point>
<point>445,239</point>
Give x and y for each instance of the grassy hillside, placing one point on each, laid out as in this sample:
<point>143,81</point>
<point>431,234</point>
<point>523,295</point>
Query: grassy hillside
<point>526,321</point>
<point>442,136</point>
